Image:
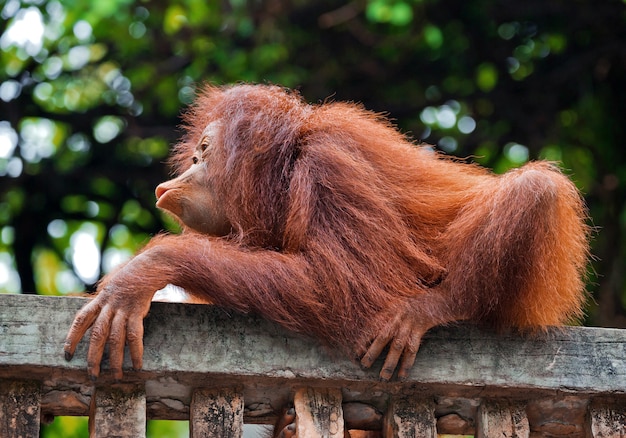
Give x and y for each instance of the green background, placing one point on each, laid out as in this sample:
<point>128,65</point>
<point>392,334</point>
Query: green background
<point>91,92</point>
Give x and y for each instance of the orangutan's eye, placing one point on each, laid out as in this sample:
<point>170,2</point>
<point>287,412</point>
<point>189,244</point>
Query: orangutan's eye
<point>207,139</point>
<point>205,144</point>
<point>194,160</point>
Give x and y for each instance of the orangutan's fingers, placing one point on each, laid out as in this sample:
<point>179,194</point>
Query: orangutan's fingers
<point>381,341</point>
<point>286,425</point>
<point>408,359</point>
<point>134,337</point>
<point>396,348</point>
<point>410,351</point>
<point>117,341</point>
<point>288,432</point>
<point>82,321</point>
<point>99,336</point>
<point>374,350</point>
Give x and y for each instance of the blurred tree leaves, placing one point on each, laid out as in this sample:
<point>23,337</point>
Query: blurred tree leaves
<point>90,94</point>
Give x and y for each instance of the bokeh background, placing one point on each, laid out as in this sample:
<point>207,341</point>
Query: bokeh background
<point>91,92</point>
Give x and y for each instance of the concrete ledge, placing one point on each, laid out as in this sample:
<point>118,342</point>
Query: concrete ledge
<point>189,346</point>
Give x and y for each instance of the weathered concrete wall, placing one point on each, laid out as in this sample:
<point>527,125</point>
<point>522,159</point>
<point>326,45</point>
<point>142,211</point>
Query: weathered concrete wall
<point>574,373</point>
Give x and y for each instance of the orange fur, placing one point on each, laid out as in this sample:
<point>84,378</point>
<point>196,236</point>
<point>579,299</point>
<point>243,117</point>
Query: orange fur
<point>370,219</point>
<point>336,223</point>
<point>388,192</point>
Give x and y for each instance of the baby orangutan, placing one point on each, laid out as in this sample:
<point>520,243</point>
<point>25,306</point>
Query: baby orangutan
<point>286,424</point>
<point>328,221</point>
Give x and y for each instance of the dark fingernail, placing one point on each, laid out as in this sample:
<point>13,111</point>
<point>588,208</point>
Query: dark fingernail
<point>68,356</point>
<point>385,375</point>
<point>117,376</point>
<point>92,377</point>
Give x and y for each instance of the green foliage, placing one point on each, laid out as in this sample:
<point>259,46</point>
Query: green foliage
<point>433,36</point>
<point>397,13</point>
<point>486,77</point>
<point>90,94</point>
<point>77,427</point>
<point>167,429</point>
<point>66,427</point>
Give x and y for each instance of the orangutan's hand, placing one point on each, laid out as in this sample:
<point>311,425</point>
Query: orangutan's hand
<point>116,317</point>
